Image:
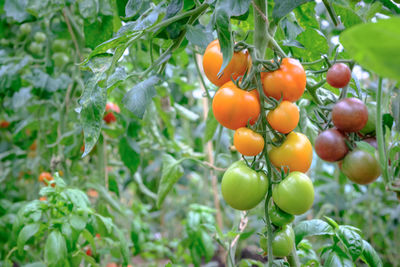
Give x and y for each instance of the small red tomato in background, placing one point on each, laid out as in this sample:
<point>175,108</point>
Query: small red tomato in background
<point>109,116</point>
<point>46,177</point>
<point>89,252</point>
<point>4,124</point>
<point>338,75</point>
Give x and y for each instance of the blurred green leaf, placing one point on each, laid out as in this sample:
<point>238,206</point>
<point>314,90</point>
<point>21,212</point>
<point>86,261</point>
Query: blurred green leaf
<point>311,228</point>
<point>55,250</point>
<point>352,240</point>
<point>26,233</point>
<point>129,152</point>
<point>283,7</point>
<point>370,256</point>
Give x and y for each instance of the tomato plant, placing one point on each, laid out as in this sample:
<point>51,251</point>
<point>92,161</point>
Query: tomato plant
<point>248,142</point>
<point>242,187</point>
<point>338,75</point>
<point>284,118</point>
<point>350,115</point>
<point>361,167</point>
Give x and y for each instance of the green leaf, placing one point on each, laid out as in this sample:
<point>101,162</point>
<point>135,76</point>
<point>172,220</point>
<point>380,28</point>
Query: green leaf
<point>370,256</point>
<point>107,222</point>
<point>311,228</point>
<point>27,232</point>
<point>40,8</point>
<point>89,9</point>
<point>199,35</point>
<point>134,7</point>
<point>55,250</point>
<point>186,113</point>
<point>98,31</point>
<point>305,15</point>
<point>348,17</point>
<point>395,104</point>
<point>391,6</point>
<point>16,10</point>
<point>211,126</point>
<point>171,172</point>
<point>233,7</point>
<point>137,99</point>
<point>223,25</point>
<point>78,222</point>
<point>89,237</point>
<point>35,264</point>
<point>336,258</point>
<point>366,147</point>
<point>380,56</point>
<point>129,152</point>
<point>283,7</point>
<point>352,240</point>
<point>207,245</point>
<point>314,43</point>
<point>78,198</point>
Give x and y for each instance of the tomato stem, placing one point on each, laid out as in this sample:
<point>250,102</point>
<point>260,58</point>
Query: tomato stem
<point>331,12</point>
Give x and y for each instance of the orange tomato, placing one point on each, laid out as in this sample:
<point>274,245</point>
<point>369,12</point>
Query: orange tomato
<point>295,153</point>
<point>33,146</point>
<point>289,80</point>
<point>92,193</point>
<point>248,142</point>
<point>45,178</point>
<point>4,124</point>
<point>212,62</point>
<point>109,116</point>
<point>43,198</point>
<point>233,107</point>
<point>284,118</point>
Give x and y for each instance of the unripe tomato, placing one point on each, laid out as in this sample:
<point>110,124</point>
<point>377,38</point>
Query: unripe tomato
<point>25,29</point>
<point>284,118</point>
<point>35,48</point>
<point>361,167</point>
<point>350,114</point>
<point>294,194</point>
<point>39,37</point>
<point>109,116</point>
<point>338,75</point>
<point>282,244</point>
<point>45,178</point>
<point>279,217</point>
<point>4,42</point>
<point>4,124</point>
<point>242,187</point>
<point>59,45</point>
<point>289,80</point>
<point>212,62</point>
<point>234,107</point>
<point>330,145</point>
<point>60,59</point>
<point>370,127</point>
<point>248,142</point>
<point>295,153</point>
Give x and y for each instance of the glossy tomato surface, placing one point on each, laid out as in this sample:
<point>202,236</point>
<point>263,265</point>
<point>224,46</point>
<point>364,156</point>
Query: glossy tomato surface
<point>350,114</point>
<point>289,80</point>
<point>330,145</point>
<point>295,153</point>
<point>361,167</point>
<point>338,75</point>
<point>282,243</point>
<point>243,188</point>
<point>234,107</point>
<point>279,217</point>
<point>284,118</point>
<point>248,142</point>
<point>295,194</point>
<point>212,62</point>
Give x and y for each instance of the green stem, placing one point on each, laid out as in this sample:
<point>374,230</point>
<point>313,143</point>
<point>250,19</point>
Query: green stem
<point>379,135</point>
<point>331,12</point>
<point>201,76</point>
<point>260,27</point>
<point>293,258</point>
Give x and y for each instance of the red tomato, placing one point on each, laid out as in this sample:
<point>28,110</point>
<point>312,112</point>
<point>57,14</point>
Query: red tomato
<point>46,177</point>
<point>4,124</point>
<point>338,75</point>
<point>109,116</point>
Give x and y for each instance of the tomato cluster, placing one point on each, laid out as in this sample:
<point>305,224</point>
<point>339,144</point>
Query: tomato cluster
<point>350,115</point>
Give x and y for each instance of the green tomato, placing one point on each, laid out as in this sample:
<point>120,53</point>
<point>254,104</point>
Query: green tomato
<point>282,244</point>
<point>39,37</point>
<point>295,194</point>
<point>361,167</point>
<point>59,45</point>
<point>60,59</point>
<point>370,127</point>
<point>279,217</point>
<point>35,48</point>
<point>242,187</point>
<point>25,29</point>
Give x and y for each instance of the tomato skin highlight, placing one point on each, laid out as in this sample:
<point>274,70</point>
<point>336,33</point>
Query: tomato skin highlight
<point>212,62</point>
<point>243,188</point>
<point>109,116</point>
<point>248,142</point>
<point>338,75</point>
<point>294,194</point>
<point>350,114</point>
<point>289,80</point>
<point>361,167</point>
<point>234,107</point>
<point>295,153</point>
<point>284,118</point>
<point>330,145</point>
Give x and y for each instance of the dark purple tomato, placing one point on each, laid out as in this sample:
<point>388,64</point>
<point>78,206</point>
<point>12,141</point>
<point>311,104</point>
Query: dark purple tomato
<point>338,75</point>
<point>350,115</point>
<point>330,145</point>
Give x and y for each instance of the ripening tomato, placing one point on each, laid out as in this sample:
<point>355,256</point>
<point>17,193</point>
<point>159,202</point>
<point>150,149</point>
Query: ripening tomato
<point>59,45</point>
<point>242,187</point>
<point>295,153</point>
<point>89,252</point>
<point>350,114</point>
<point>288,81</point>
<point>330,145</point>
<point>279,217</point>
<point>294,194</point>
<point>370,127</point>
<point>4,124</point>
<point>248,142</point>
<point>212,62</point>
<point>43,198</point>
<point>45,178</point>
<point>338,75</point>
<point>284,118</point>
<point>234,107</point>
<point>109,116</point>
<point>361,167</point>
<point>282,243</point>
